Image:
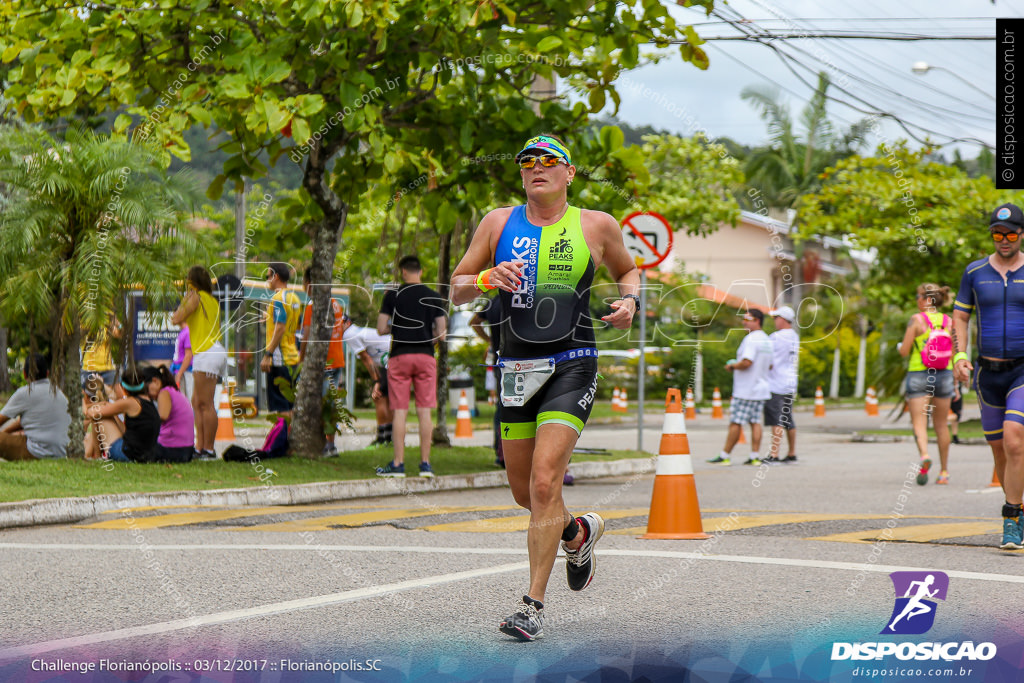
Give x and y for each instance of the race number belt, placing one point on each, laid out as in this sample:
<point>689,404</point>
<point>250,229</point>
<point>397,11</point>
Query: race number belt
<point>522,378</point>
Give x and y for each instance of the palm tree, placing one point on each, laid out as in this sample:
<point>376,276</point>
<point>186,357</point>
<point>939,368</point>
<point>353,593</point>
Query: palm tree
<point>84,218</point>
<point>789,167</point>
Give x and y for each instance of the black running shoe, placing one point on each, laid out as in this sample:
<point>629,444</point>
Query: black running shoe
<point>580,564</point>
<point>526,623</point>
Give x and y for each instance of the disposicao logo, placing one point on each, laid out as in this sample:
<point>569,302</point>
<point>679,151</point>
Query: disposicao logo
<point>913,614</point>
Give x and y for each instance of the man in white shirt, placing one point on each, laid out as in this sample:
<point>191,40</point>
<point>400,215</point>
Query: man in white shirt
<point>749,388</point>
<point>778,411</point>
<point>372,349</point>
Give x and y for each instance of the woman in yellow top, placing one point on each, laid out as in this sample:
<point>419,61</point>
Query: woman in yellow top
<point>98,369</point>
<point>929,390</point>
<point>201,312</point>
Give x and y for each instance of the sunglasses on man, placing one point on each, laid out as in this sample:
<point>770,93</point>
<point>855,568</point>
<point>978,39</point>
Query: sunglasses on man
<point>1008,236</point>
<point>546,160</point>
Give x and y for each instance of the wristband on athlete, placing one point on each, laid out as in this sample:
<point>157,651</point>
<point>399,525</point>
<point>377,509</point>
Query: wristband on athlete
<point>483,280</point>
<point>959,356</point>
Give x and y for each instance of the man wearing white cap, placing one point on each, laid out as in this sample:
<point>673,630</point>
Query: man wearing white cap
<point>778,411</point>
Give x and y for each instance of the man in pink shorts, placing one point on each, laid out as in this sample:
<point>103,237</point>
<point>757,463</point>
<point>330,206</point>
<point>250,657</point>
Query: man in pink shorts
<point>415,317</point>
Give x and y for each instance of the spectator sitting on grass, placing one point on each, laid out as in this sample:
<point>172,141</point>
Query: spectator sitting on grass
<point>177,433</point>
<point>136,439</point>
<point>39,417</point>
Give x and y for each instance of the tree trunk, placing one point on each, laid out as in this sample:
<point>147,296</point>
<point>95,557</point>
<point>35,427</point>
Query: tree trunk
<point>71,384</point>
<point>5,377</point>
<point>307,433</point>
<point>444,276</point>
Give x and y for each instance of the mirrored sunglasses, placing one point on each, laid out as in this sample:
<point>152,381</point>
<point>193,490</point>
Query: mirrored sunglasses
<point>1008,236</point>
<point>547,161</point>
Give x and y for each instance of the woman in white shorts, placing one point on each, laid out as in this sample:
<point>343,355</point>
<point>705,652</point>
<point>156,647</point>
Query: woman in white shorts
<point>200,310</point>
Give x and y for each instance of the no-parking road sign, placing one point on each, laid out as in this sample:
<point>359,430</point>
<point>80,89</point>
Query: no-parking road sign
<point>648,237</point>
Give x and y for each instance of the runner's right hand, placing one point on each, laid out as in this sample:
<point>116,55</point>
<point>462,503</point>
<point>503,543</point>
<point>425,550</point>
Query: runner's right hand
<point>507,275</point>
<point>962,370</point>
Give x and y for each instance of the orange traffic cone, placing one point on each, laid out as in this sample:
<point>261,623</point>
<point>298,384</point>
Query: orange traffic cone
<point>871,403</point>
<point>225,420</point>
<point>995,479</point>
<point>691,405</point>
<point>819,403</point>
<point>716,405</point>
<point>623,401</point>
<point>616,404</point>
<point>675,512</point>
<point>463,424</point>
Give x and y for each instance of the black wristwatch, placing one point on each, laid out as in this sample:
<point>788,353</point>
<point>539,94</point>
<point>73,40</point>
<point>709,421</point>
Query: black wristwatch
<point>635,298</point>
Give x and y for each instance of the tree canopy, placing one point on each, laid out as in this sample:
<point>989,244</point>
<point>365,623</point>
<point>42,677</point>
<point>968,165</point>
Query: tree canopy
<point>924,220</point>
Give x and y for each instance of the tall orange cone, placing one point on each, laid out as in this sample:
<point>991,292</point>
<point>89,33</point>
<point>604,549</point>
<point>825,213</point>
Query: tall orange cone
<point>675,512</point>
<point>225,420</point>
<point>691,405</point>
<point>819,403</point>
<point>995,479</point>
<point>463,424</point>
<point>871,403</point>
<point>615,400</point>
<point>716,405</point>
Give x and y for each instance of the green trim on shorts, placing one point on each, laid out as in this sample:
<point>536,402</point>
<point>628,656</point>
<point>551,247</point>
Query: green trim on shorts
<point>558,417</point>
<point>512,431</point>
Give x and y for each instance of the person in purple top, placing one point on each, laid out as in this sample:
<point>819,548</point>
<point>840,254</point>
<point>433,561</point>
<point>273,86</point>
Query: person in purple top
<point>181,366</point>
<point>177,429</point>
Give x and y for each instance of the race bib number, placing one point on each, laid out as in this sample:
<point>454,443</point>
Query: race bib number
<point>522,379</point>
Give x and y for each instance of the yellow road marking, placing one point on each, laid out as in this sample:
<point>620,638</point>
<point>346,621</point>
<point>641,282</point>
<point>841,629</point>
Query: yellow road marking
<point>919,533</point>
<point>719,524</point>
<point>361,518</point>
<point>520,523</point>
<point>183,518</point>
<point>148,508</point>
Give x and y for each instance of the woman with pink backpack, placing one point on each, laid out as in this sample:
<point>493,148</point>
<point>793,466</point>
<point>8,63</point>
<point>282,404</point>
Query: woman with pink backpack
<point>929,344</point>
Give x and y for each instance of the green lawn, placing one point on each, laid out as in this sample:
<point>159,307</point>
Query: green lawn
<point>72,478</point>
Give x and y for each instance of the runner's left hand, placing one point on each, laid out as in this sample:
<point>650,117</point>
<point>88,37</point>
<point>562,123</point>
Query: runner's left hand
<point>621,317</point>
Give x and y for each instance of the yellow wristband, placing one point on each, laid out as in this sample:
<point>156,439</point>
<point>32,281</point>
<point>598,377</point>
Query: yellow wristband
<point>957,357</point>
<point>483,280</point>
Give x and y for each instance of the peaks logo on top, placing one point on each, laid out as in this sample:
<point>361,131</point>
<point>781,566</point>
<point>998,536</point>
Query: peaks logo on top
<point>916,592</point>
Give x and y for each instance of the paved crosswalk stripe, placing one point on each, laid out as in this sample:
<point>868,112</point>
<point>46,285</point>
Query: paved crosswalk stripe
<point>495,525</point>
<point>716,524</point>
<point>918,533</point>
<point>183,518</point>
<point>361,518</point>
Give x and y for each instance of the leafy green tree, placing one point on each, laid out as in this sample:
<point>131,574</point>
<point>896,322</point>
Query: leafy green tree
<point>84,218</point>
<point>353,92</point>
<point>790,166</point>
<point>923,220</point>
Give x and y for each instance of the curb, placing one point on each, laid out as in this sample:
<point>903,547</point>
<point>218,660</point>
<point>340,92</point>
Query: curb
<point>42,511</point>
<point>857,437</point>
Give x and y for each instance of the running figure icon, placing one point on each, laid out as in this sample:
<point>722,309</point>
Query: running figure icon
<point>916,606</point>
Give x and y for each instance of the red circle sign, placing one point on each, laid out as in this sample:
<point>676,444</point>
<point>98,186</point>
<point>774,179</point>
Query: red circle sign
<point>648,237</point>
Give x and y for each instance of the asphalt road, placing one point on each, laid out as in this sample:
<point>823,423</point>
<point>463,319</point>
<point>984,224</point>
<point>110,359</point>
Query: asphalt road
<point>412,587</point>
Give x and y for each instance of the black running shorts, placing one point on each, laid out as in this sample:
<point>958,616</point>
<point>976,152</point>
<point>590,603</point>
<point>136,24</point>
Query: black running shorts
<point>567,398</point>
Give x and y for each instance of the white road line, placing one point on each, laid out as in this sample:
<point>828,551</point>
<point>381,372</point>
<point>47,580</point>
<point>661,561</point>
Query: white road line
<point>668,554</point>
<point>235,615</point>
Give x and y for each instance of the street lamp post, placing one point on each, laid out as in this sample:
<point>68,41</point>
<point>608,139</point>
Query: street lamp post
<point>921,68</point>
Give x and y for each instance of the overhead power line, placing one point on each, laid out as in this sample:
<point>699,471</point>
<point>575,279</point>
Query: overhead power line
<point>839,35</point>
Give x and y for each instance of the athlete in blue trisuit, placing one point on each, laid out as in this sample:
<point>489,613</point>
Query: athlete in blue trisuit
<point>541,257</point>
<point>914,606</point>
<point>993,288</point>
